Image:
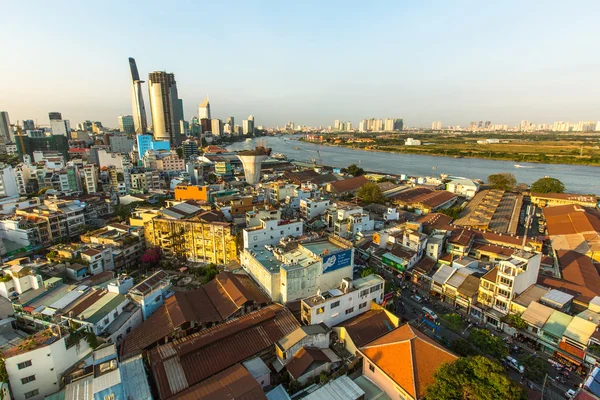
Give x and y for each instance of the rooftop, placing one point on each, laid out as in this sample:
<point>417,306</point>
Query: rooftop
<point>368,326</point>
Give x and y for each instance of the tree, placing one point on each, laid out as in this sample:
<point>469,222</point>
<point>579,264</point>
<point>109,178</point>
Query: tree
<point>452,321</point>
<point>151,256</point>
<point>355,170</point>
<point>487,343</point>
<point>370,193</point>
<point>463,348</point>
<point>179,152</point>
<point>472,378</point>
<point>366,272</point>
<point>453,212</point>
<point>535,367</point>
<point>516,321</point>
<point>547,185</point>
<point>502,181</point>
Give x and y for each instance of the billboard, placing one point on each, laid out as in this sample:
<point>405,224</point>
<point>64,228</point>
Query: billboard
<point>337,260</point>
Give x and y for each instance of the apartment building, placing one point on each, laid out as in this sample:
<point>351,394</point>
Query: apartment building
<point>334,306</point>
<point>90,178</point>
<point>18,279</point>
<point>500,286</point>
<point>98,259</point>
<point>348,219</point>
<point>311,208</point>
<point>150,293</point>
<point>271,231</point>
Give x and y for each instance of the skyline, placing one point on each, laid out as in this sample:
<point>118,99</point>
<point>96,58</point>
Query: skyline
<point>454,63</point>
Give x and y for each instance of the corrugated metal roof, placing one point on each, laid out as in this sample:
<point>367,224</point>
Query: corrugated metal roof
<point>145,286</point>
<point>135,381</point>
<point>557,324</point>
<point>458,277</point>
<point>442,274</point>
<point>342,388</point>
<point>107,380</point>
<point>580,330</point>
<point>537,314</point>
<point>211,351</point>
<point>557,297</point>
<point>67,299</point>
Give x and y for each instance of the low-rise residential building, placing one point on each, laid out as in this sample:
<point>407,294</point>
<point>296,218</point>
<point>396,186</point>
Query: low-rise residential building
<point>335,306</point>
<point>271,231</point>
<point>127,244</point>
<point>561,199</point>
<point>393,361</point>
<point>99,259</point>
<point>151,293</point>
<point>463,187</point>
<point>364,328</point>
<point>348,219</point>
<point>36,365</point>
<point>315,336</point>
<point>423,200</point>
<point>16,280</point>
<point>312,208</point>
<point>288,274</point>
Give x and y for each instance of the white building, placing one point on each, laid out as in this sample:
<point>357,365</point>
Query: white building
<point>60,127</point>
<point>19,230</point>
<point>335,306</point>
<point>8,182</point>
<point>412,142</point>
<point>90,178</point>
<point>106,159</point>
<point>18,279</point>
<point>299,273</point>
<point>270,232</point>
<point>99,259</point>
<point>463,187</point>
<point>35,369</point>
<point>254,217</point>
<point>348,220</point>
<point>311,208</point>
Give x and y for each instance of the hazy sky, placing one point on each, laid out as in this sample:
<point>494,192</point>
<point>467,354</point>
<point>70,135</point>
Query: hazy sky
<point>308,61</point>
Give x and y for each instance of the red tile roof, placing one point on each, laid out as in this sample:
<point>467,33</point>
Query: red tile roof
<point>178,365</point>
<point>461,237</point>
<point>234,383</point>
<point>408,357</point>
<point>436,221</point>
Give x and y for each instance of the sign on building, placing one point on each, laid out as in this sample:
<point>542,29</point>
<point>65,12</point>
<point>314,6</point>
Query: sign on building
<point>337,260</point>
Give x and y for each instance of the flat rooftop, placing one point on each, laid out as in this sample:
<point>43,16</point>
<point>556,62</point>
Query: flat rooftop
<point>319,248</point>
<point>267,260</point>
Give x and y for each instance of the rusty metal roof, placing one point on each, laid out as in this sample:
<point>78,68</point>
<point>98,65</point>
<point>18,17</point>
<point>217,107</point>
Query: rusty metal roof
<point>233,383</point>
<point>183,363</point>
<point>303,359</point>
<point>145,286</point>
<point>368,326</point>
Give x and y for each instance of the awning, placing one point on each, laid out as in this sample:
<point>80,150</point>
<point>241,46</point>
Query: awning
<point>49,311</point>
<point>566,356</point>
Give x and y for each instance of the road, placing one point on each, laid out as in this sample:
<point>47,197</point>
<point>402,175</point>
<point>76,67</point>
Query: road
<point>412,310</point>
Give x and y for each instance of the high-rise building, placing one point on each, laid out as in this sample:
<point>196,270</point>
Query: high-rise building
<point>28,125</point>
<point>204,109</point>
<point>180,111</point>
<point>248,125</point>
<point>216,126</point>
<point>126,124</point>
<point>362,126</point>
<point>164,103</point>
<point>336,125</point>
<point>6,132</point>
<point>398,124</point>
<point>436,125</point>
<point>231,121</point>
<point>90,178</point>
<point>54,115</point>
<point>184,128</point>
<point>137,99</point>
<point>190,149</point>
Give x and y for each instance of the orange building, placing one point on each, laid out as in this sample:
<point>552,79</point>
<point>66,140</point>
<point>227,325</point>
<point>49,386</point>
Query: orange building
<point>190,192</point>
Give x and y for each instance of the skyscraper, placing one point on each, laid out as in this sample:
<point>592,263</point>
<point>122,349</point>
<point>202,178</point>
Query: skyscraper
<point>164,103</point>
<point>216,127</point>
<point>231,121</point>
<point>57,125</point>
<point>180,110</point>
<point>126,124</point>
<point>6,133</point>
<point>28,125</point>
<point>55,116</point>
<point>204,109</point>
<point>137,100</point>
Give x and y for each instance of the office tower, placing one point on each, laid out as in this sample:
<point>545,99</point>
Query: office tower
<point>227,129</point>
<point>57,125</point>
<point>231,121</point>
<point>238,130</point>
<point>251,124</point>
<point>164,103</point>
<point>216,126</point>
<point>180,110</point>
<point>348,126</point>
<point>252,161</point>
<point>398,124</point>
<point>137,99</point>
<point>204,109</point>
<point>488,124</point>
<point>126,124</point>
<point>190,149</point>
<point>184,128</point>
<point>6,132</point>
<point>205,124</point>
<point>336,125</point>
<point>28,125</point>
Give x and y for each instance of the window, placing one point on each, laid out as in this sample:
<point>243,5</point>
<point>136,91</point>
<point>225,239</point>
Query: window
<point>320,310</point>
<point>105,321</point>
<point>29,395</point>
<point>27,379</point>
<point>364,292</point>
<point>110,397</point>
<point>374,288</point>
<point>350,310</point>
<point>115,314</point>
<point>24,364</point>
<point>506,281</point>
<point>363,305</point>
<point>371,367</point>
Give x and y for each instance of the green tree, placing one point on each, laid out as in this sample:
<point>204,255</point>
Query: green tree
<point>463,348</point>
<point>502,181</point>
<point>366,272</point>
<point>535,367</point>
<point>487,343</point>
<point>516,321</point>
<point>472,378</point>
<point>453,212</point>
<point>355,170</point>
<point>370,193</point>
<point>452,321</point>
<point>547,185</point>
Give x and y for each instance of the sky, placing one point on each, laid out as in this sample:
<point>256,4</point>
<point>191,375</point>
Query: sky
<point>309,62</point>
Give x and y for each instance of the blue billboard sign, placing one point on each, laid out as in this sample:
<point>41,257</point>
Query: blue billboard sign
<point>337,260</point>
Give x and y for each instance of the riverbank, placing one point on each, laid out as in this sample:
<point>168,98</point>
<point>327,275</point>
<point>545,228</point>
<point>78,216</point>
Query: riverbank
<point>585,153</point>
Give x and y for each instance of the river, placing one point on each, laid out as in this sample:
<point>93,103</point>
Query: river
<point>576,178</point>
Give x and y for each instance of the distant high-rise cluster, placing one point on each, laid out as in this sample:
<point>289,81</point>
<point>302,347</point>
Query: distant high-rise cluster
<point>380,125</point>
<point>528,126</point>
<point>436,125</point>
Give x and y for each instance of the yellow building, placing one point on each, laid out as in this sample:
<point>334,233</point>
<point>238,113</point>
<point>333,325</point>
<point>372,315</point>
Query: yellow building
<point>140,216</point>
<point>194,238</point>
<point>561,199</point>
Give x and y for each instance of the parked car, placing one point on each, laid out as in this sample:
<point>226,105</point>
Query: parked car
<point>570,394</point>
<point>416,298</point>
<point>514,364</point>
